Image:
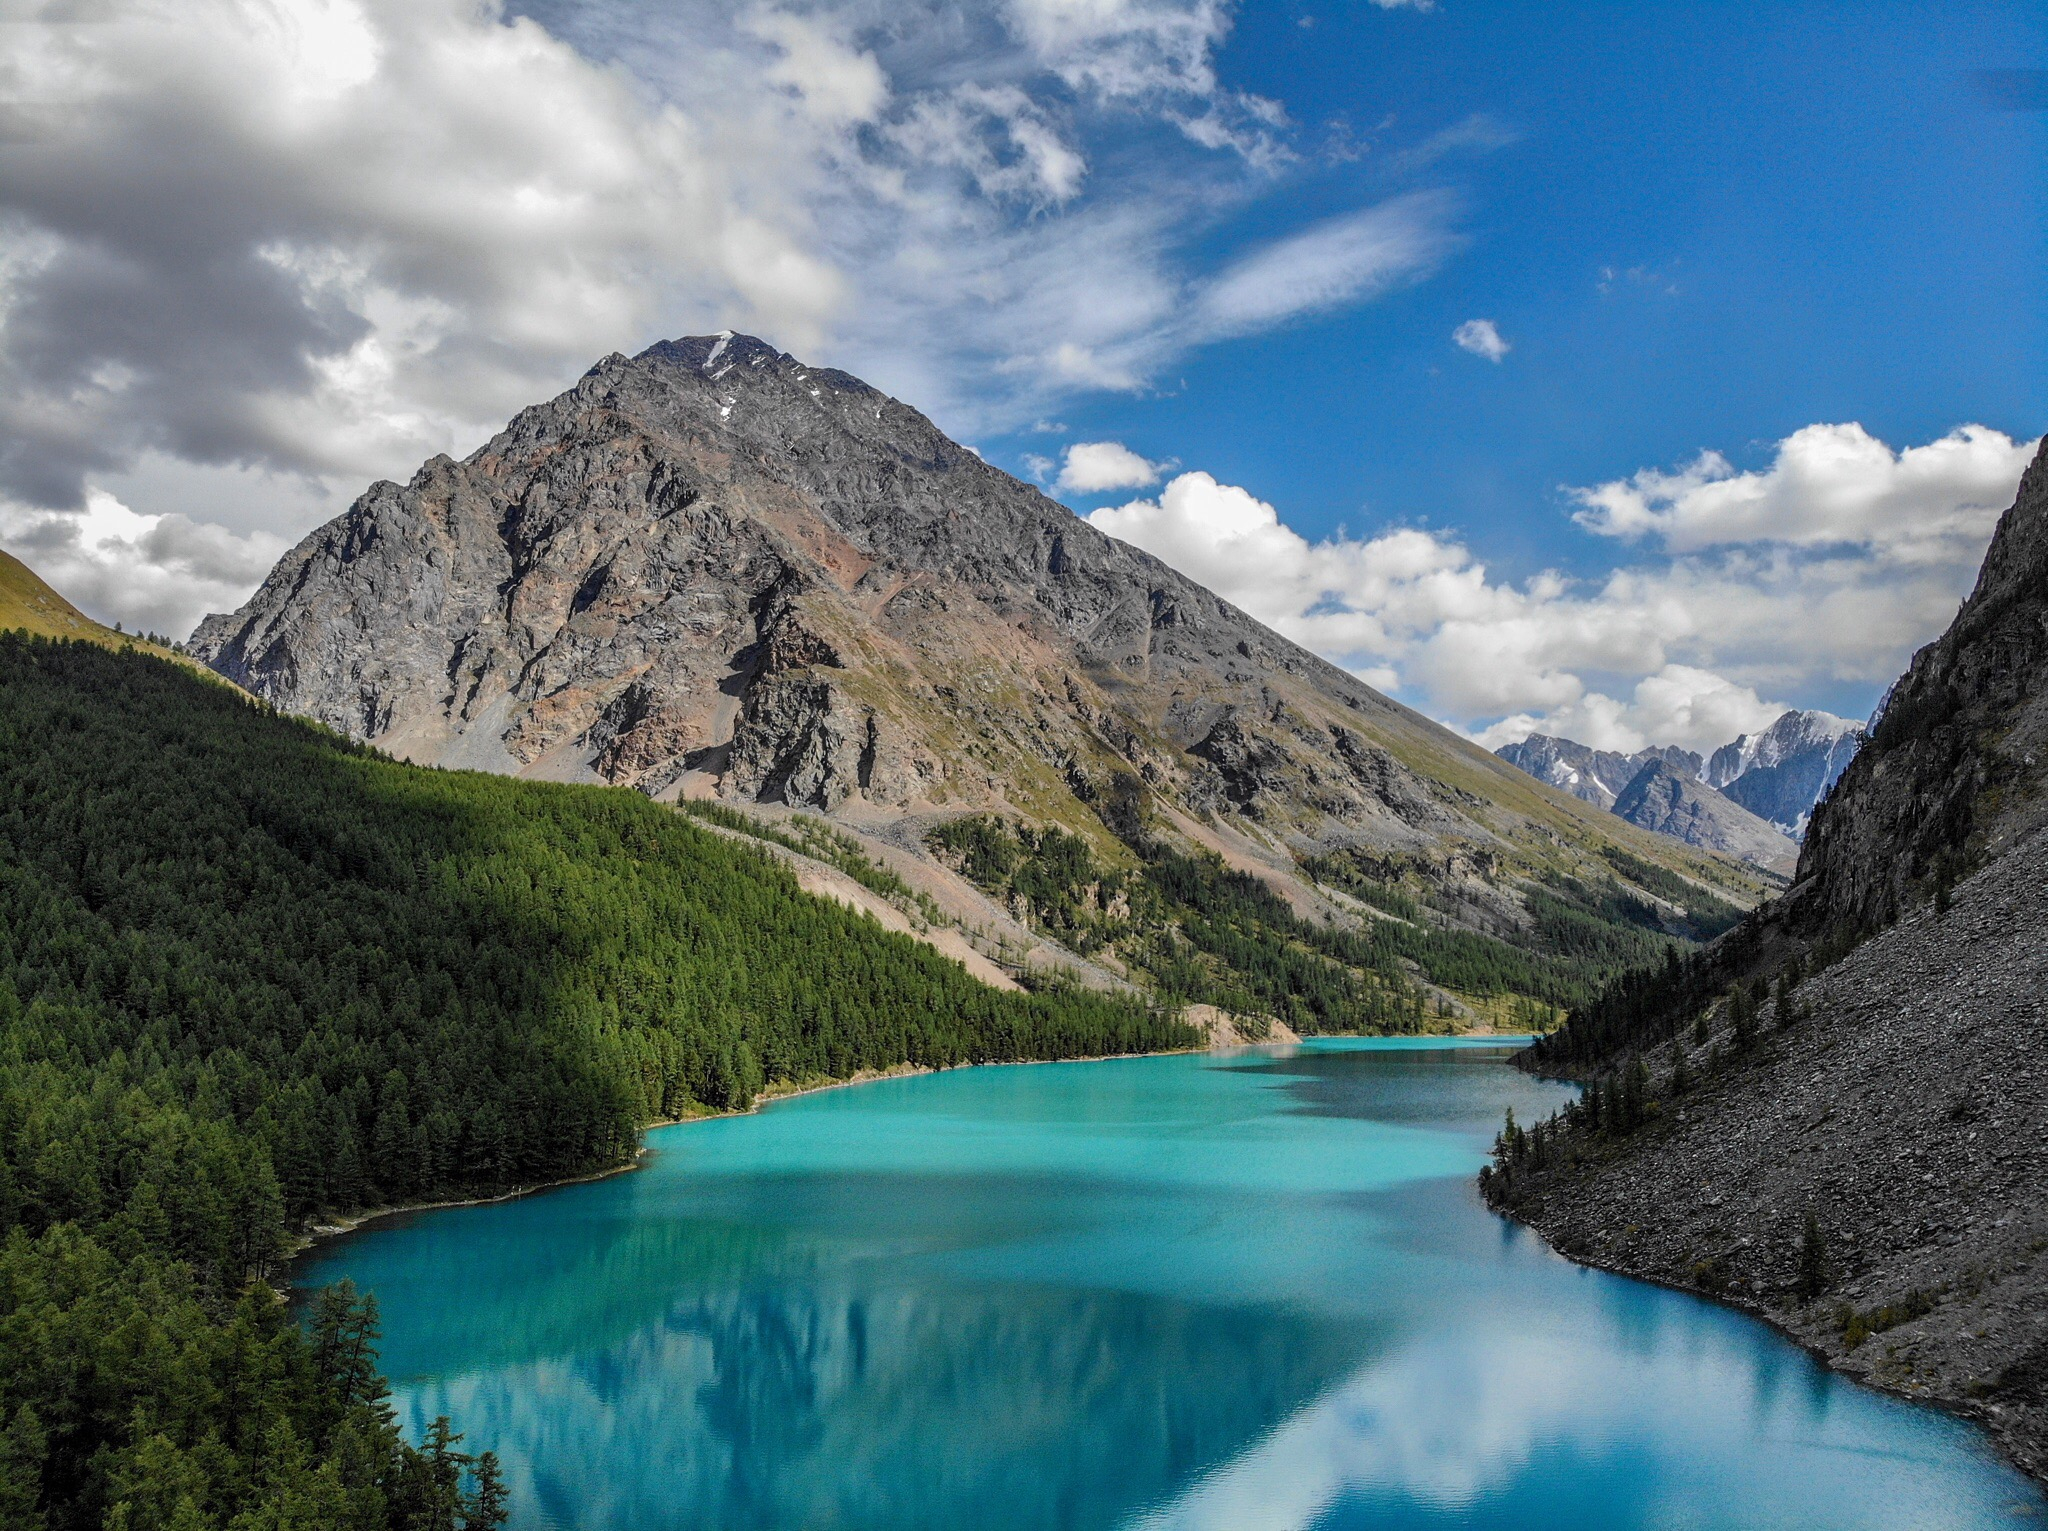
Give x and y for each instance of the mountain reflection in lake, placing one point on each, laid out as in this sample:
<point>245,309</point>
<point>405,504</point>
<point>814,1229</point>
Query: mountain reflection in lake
<point>1238,1292</point>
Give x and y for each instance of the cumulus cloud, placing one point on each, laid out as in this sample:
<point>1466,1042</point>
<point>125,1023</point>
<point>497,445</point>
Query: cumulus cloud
<point>326,235</point>
<point>162,572</point>
<point>324,239</point>
<point>1690,646</point>
<point>1093,466</point>
<point>1482,338</point>
<point>1829,484</point>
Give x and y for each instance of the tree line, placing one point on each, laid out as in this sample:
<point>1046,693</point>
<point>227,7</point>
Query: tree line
<point>1199,931</point>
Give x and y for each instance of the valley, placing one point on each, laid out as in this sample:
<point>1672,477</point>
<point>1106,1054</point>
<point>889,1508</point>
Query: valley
<point>1022,765</point>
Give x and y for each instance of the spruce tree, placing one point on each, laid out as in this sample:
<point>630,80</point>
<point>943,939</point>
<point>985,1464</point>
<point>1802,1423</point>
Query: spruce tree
<point>487,1506</point>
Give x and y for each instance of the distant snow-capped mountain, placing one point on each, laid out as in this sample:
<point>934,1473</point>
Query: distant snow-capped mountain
<point>1777,775</point>
<point>1594,776</point>
<point>1782,772</point>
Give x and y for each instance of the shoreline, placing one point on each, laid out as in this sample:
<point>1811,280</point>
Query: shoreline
<point>340,1227</point>
<point>322,1232</point>
<point>306,1238</point>
<point>1990,1426</point>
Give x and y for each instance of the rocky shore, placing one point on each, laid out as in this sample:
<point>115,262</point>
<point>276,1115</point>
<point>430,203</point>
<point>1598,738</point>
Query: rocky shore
<point>1900,1099</point>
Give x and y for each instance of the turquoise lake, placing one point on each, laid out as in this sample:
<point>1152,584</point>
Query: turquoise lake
<point>1237,1292</point>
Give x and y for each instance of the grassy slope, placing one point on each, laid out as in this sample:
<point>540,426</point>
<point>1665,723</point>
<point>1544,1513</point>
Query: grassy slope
<point>28,604</point>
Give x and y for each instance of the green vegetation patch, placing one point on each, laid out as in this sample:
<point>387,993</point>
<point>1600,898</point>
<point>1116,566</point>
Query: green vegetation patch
<point>813,837</point>
<point>1193,928</point>
<point>249,971</point>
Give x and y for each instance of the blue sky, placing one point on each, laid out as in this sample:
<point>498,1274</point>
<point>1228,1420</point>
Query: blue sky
<point>1752,296</point>
<point>1809,213</point>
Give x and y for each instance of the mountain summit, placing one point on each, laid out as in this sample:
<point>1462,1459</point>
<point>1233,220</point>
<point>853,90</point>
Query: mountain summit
<point>713,570</point>
<point>1783,772</point>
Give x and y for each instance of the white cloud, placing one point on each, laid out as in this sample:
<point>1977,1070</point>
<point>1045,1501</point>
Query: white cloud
<point>161,572</point>
<point>836,82</point>
<point>1482,338</point>
<point>1093,466</point>
<point>1676,705</point>
<point>325,239</point>
<point>1688,647</point>
<point>1828,484</point>
<point>1334,263</point>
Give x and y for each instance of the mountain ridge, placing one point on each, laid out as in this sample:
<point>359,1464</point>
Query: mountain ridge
<point>714,571</point>
<point>1777,775</point>
<point>1682,806</point>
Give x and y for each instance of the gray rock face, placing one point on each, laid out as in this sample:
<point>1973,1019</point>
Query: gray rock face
<point>1685,808</point>
<point>1777,775</point>
<point>1592,776</point>
<point>1953,771</point>
<point>1781,773</point>
<point>712,568</point>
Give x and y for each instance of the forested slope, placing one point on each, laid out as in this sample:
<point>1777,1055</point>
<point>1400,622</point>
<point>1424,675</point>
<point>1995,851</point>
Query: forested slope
<point>249,971</point>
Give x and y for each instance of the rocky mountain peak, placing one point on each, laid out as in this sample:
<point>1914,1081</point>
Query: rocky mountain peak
<point>1679,804</point>
<point>716,570</point>
<point>1593,776</point>
<point>1776,775</point>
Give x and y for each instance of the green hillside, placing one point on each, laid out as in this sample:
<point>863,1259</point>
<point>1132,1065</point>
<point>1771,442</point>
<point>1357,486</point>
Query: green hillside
<point>29,605</point>
<point>250,972</point>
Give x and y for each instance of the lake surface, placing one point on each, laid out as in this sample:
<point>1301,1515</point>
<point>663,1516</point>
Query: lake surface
<point>1246,1292</point>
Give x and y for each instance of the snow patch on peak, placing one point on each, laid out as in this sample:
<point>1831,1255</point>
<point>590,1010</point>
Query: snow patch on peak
<point>1793,732</point>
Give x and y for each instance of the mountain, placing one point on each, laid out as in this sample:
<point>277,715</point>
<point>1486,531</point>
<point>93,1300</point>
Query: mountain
<point>1659,789</point>
<point>1832,1115</point>
<point>714,572</point>
<point>1777,775</point>
<point>1782,772</point>
<point>1685,808</point>
<point>1593,776</point>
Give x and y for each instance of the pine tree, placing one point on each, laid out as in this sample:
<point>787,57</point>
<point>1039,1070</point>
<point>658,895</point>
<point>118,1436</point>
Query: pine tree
<point>1741,1018</point>
<point>23,1445</point>
<point>487,1506</point>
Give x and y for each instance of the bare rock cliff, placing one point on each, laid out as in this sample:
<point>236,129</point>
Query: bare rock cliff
<point>1953,772</point>
<point>714,570</point>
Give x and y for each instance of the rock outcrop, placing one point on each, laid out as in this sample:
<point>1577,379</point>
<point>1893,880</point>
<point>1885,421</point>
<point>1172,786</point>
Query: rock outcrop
<point>714,570</point>
<point>1953,774</point>
<point>1897,1095</point>
<point>1685,808</point>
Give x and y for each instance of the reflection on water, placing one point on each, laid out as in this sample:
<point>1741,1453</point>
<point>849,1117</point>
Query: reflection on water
<point>1238,1293</point>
